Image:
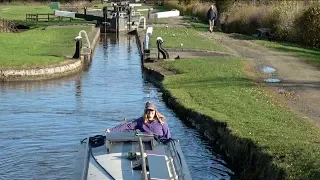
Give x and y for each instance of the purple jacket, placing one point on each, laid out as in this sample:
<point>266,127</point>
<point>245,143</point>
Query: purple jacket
<point>154,127</point>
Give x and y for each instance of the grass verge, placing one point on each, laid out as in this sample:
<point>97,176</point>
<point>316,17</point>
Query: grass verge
<point>218,87</point>
<point>36,48</point>
<point>312,56</point>
<point>18,12</point>
<point>189,37</point>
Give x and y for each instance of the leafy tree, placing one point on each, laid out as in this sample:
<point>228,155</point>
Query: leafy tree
<point>223,5</point>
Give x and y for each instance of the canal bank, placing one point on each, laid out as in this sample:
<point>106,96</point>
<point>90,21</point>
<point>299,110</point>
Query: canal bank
<point>243,155</point>
<point>70,66</point>
<point>266,152</point>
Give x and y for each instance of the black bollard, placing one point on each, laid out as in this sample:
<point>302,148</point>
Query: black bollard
<point>78,48</point>
<point>161,50</point>
<point>158,46</point>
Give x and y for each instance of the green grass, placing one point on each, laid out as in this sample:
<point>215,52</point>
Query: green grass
<point>63,22</point>
<point>200,26</point>
<point>142,7</point>
<point>158,21</point>
<point>19,12</point>
<point>219,88</point>
<point>36,48</point>
<point>189,37</point>
<point>312,56</point>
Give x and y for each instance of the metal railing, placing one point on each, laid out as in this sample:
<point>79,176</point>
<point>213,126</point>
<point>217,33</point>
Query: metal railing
<point>144,174</point>
<point>44,18</point>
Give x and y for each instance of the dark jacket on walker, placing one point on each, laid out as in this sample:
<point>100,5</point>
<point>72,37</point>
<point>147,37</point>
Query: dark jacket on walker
<point>211,14</point>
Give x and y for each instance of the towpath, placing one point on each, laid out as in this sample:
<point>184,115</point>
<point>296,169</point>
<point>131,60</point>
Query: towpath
<point>299,86</point>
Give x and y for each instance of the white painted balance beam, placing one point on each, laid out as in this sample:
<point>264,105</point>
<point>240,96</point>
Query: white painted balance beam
<point>135,5</point>
<point>65,14</point>
<point>166,14</point>
<point>143,10</point>
<point>147,38</point>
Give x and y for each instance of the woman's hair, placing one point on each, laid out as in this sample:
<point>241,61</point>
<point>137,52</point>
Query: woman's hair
<point>158,116</point>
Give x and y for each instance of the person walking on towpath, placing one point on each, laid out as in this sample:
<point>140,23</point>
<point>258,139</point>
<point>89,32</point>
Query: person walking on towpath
<point>151,122</point>
<point>211,16</point>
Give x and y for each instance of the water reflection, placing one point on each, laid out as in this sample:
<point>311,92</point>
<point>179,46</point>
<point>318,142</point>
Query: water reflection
<point>42,122</point>
<point>37,85</point>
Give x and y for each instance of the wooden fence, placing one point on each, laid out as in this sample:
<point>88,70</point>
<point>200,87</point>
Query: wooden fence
<point>7,26</point>
<point>44,18</point>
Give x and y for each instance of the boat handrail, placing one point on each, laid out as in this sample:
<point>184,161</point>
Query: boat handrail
<point>176,155</point>
<point>144,134</point>
<point>125,136</point>
<point>86,160</point>
<point>144,166</point>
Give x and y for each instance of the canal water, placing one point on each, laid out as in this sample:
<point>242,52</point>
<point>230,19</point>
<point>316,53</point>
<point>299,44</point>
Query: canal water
<point>42,123</point>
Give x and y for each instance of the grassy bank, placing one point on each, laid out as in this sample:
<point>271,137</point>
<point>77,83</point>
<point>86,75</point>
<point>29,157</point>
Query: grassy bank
<point>189,37</point>
<point>218,87</point>
<point>18,12</point>
<point>310,55</point>
<point>36,48</point>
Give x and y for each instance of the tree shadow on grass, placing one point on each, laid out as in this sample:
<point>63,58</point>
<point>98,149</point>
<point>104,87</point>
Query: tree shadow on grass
<point>305,52</point>
<point>299,84</point>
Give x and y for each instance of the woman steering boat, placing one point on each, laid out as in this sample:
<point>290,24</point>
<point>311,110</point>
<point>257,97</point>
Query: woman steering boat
<point>151,122</point>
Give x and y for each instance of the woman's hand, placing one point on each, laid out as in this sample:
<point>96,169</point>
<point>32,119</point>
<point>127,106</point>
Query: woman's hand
<point>107,131</point>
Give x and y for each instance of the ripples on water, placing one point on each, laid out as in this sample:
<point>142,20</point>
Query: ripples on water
<point>42,123</point>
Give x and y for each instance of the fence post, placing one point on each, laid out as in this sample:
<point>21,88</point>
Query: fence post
<point>48,17</point>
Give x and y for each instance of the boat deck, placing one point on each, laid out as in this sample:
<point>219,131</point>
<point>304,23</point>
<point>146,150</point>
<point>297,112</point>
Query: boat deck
<point>111,161</point>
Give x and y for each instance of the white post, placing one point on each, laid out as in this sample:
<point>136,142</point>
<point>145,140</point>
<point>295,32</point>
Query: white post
<point>147,38</point>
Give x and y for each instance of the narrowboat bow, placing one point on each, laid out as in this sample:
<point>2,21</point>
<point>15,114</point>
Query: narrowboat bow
<point>132,155</point>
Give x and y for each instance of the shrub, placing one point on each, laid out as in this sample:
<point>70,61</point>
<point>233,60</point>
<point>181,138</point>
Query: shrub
<point>194,8</point>
<point>286,13</point>
<point>279,16</point>
<point>308,26</point>
<point>175,5</point>
<point>243,18</point>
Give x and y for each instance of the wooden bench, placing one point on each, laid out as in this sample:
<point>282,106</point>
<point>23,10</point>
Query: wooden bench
<point>265,33</point>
